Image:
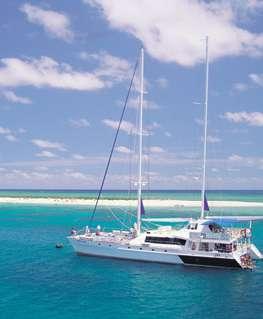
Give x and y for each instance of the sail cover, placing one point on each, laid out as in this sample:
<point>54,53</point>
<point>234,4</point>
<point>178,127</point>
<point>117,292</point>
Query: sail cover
<point>206,206</point>
<point>142,208</point>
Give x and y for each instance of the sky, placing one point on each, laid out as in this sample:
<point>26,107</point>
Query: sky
<point>65,70</point>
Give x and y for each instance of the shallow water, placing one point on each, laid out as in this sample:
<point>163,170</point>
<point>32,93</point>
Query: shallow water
<point>40,281</point>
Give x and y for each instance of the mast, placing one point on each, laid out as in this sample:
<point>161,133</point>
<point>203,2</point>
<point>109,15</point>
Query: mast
<point>205,127</point>
<point>140,146</point>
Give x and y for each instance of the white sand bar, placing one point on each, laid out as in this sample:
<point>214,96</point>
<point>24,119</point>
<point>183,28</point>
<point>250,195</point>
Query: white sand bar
<point>123,202</point>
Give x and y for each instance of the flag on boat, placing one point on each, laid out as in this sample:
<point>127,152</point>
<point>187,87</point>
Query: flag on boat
<point>142,208</point>
<point>206,207</point>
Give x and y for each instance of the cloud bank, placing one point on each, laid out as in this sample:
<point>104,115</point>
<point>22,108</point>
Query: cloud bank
<point>47,72</point>
<point>54,23</point>
<point>171,30</point>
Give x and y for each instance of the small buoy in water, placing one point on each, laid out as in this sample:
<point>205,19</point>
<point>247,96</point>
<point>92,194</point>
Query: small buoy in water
<point>59,245</point>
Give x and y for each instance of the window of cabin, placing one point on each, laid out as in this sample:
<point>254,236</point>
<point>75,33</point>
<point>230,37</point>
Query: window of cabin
<point>215,228</point>
<point>224,248</point>
<point>165,240</point>
<point>192,226</point>
<point>204,247</point>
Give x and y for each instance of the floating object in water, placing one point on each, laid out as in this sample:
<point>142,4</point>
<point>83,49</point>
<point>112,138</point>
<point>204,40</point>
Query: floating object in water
<point>59,245</point>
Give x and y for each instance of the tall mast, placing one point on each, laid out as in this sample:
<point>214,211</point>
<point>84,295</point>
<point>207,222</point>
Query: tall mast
<point>140,146</point>
<point>205,127</point>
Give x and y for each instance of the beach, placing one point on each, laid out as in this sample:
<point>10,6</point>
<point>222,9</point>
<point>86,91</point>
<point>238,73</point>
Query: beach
<point>166,203</point>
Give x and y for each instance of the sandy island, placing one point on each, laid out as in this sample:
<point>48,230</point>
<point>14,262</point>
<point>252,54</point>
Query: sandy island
<point>124,202</point>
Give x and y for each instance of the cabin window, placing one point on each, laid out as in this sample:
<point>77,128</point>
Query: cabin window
<point>224,248</point>
<point>215,228</point>
<point>192,226</point>
<point>165,240</point>
<point>204,247</point>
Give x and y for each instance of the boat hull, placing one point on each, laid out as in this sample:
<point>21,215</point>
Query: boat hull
<point>123,252</point>
<point>210,261</point>
<point>148,255</point>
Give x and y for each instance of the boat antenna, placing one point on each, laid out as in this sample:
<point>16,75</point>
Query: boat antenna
<point>139,204</point>
<point>114,142</point>
<point>203,198</point>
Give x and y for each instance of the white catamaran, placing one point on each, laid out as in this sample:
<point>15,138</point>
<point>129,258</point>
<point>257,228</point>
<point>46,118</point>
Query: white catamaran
<point>206,241</point>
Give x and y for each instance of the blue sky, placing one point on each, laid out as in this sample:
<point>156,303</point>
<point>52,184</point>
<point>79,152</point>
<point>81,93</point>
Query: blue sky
<point>64,72</point>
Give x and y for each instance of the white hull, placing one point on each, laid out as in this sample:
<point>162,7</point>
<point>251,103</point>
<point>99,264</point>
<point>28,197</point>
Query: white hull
<point>118,251</point>
<point>123,252</point>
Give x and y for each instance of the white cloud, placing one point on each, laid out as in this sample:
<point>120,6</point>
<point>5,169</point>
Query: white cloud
<point>199,121</point>
<point>233,169</point>
<point>47,154</point>
<point>84,55</point>
<point>171,30</point>
<point>76,175</point>
<point>41,176</point>
<point>11,138</point>
<point>147,104</point>
<point>78,157</point>
<point>252,118</point>
<point>4,130</point>
<point>235,157</point>
<point>254,4</point>
<point>12,97</point>
<point>213,139</point>
<point>256,78</point>
<point>42,168</point>
<point>49,145</point>
<point>167,134</point>
<point>154,125</point>
<point>8,134</point>
<point>54,23</point>
<point>126,127</point>
<point>162,82</point>
<point>22,131</point>
<point>123,149</point>
<point>46,72</point>
<point>241,87</point>
<point>82,122</point>
<point>156,149</point>
<point>110,68</point>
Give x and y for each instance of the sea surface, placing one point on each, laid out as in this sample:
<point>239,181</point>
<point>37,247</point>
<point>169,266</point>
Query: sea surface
<point>39,281</point>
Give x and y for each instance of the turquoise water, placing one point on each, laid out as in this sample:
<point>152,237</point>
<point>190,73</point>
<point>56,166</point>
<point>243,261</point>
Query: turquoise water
<point>39,281</point>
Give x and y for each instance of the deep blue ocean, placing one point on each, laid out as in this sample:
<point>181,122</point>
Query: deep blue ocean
<point>40,281</point>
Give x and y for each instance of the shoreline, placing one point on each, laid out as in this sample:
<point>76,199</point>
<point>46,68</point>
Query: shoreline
<point>172,203</point>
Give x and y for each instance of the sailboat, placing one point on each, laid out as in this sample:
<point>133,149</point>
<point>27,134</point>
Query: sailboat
<point>205,241</point>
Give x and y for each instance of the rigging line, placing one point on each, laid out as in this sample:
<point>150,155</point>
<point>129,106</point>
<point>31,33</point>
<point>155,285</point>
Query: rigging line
<point>118,219</point>
<point>114,143</point>
<point>130,213</point>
